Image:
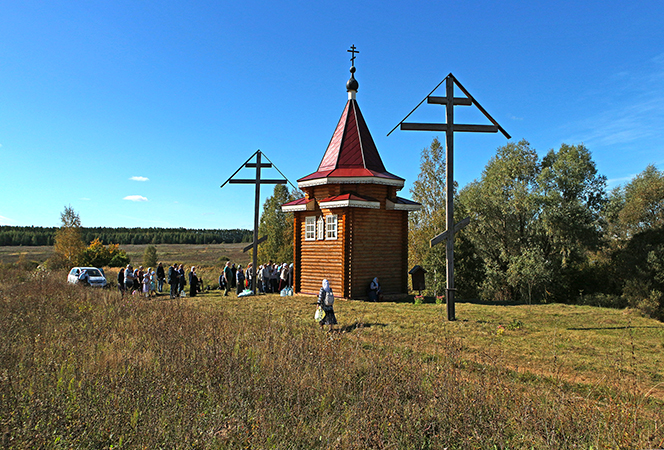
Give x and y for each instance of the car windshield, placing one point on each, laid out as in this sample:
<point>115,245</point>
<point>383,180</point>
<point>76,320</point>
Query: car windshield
<point>94,273</point>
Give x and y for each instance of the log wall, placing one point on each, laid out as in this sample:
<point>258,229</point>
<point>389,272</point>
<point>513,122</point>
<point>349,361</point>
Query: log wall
<point>370,243</point>
<point>319,260</point>
<point>378,248</point>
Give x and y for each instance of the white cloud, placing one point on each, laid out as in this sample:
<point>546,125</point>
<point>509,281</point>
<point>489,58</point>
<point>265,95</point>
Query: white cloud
<point>632,114</point>
<point>5,221</point>
<point>613,182</point>
<point>139,178</point>
<point>135,198</point>
<point>85,199</point>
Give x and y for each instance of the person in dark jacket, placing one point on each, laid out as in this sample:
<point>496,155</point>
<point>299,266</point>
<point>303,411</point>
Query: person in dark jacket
<point>174,280</point>
<point>182,280</point>
<point>375,291</point>
<point>239,281</point>
<point>193,282</point>
<point>121,283</point>
<point>228,274</point>
<point>161,277</point>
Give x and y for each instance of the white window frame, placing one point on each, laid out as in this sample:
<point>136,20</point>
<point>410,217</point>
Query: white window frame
<point>331,226</point>
<point>320,229</point>
<point>310,228</point>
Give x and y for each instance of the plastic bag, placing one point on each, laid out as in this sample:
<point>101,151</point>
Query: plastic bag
<point>286,292</point>
<point>319,315</point>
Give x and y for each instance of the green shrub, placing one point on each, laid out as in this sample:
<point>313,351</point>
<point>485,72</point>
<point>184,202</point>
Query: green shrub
<point>603,300</point>
<point>150,256</point>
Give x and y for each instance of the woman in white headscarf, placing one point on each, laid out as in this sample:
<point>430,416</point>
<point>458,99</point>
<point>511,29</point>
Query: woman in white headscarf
<point>375,293</point>
<point>326,301</point>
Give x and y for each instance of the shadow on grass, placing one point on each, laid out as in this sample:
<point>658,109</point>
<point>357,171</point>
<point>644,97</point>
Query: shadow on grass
<point>359,325</point>
<point>432,300</point>
<point>478,301</point>
<point>610,328</point>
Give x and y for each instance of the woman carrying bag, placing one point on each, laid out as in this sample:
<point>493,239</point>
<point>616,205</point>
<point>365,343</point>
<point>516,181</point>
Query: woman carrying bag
<point>326,302</point>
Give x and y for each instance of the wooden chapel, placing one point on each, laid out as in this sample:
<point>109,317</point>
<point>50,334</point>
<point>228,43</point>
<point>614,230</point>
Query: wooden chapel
<point>351,226</point>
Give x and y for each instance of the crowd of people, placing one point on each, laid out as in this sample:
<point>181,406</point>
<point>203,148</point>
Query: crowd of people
<point>270,278</point>
<point>150,282</point>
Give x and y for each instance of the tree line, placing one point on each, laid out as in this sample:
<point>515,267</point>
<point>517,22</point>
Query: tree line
<point>32,236</point>
<point>545,229</point>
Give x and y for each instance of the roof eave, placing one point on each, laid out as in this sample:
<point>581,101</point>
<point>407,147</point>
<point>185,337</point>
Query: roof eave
<point>397,206</point>
<point>350,204</point>
<point>397,182</point>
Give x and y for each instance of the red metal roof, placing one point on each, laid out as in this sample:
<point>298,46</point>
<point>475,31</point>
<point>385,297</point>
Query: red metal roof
<point>341,197</point>
<point>351,152</point>
<point>297,201</point>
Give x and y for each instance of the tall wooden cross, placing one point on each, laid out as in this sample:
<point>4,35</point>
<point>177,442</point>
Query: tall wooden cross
<point>257,181</point>
<point>449,127</point>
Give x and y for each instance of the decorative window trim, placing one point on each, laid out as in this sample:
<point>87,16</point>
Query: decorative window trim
<point>320,229</point>
<point>331,226</point>
<point>310,228</point>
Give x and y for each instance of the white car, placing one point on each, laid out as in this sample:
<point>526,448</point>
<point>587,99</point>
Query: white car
<point>95,276</point>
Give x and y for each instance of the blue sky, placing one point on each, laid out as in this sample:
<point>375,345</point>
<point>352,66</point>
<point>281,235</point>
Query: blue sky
<point>135,112</point>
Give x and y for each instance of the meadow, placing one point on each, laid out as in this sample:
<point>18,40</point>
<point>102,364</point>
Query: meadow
<point>83,368</point>
<point>207,255</point>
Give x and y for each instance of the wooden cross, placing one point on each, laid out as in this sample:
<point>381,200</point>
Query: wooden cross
<point>449,127</point>
<point>250,246</point>
<point>258,165</point>
<point>353,51</point>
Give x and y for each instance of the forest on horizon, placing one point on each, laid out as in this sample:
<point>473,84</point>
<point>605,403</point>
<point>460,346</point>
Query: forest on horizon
<point>34,236</point>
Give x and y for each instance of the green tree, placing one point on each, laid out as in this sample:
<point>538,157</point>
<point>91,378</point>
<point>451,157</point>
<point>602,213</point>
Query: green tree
<point>639,206</point>
<point>535,223</point>
<point>503,207</point>
<point>634,258</point>
<point>150,256</point>
<point>640,266</point>
<point>95,255</point>
<point>529,272</point>
<point>572,196</point>
<point>98,255</point>
<point>69,244</point>
<point>278,226</point>
<point>429,221</point>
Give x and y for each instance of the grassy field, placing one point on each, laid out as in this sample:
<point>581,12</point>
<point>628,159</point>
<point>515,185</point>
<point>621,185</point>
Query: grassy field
<point>208,255</point>
<point>84,368</point>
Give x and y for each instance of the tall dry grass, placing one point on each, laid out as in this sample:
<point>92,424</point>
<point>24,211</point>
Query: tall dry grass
<point>90,369</point>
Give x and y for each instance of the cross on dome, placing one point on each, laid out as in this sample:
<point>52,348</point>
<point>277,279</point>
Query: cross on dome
<point>352,85</point>
<point>353,51</point>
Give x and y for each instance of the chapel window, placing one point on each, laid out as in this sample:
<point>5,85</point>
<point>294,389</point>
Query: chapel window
<point>310,228</point>
<point>331,228</point>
